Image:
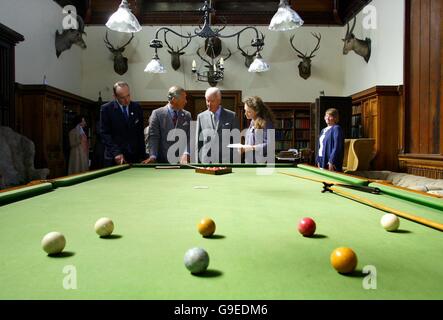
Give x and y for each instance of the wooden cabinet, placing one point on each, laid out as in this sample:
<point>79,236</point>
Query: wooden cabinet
<point>381,117</point>
<point>44,114</point>
<point>8,40</point>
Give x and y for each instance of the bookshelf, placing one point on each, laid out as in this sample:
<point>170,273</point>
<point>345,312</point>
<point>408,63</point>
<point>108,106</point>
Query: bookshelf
<point>293,126</point>
<point>356,122</point>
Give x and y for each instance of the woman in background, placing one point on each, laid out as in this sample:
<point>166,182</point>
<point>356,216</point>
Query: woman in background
<point>331,143</point>
<point>79,153</point>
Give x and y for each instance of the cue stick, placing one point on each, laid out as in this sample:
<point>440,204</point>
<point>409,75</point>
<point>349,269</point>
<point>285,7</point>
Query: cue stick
<point>191,166</point>
<point>424,221</point>
<point>328,184</point>
<point>370,203</point>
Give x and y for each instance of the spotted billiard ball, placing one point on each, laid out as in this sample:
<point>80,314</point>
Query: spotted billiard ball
<point>104,227</point>
<point>196,260</point>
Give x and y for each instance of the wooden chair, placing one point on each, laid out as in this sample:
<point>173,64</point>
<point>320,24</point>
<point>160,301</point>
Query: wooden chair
<point>358,154</point>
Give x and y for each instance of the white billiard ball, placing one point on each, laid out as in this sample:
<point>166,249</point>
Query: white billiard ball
<point>53,242</point>
<point>104,227</point>
<point>196,260</point>
<point>390,222</point>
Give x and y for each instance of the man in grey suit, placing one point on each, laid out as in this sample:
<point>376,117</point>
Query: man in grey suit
<point>215,129</point>
<point>169,130</point>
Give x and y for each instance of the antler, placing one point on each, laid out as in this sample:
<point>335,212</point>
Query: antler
<point>198,53</point>
<point>239,48</point>
<point>298,51</point>
<point>81,24</point>
<point>112,48</point>
<point>182,48</point>
<point>318,37</point>
<point>246,54</point>
<point>229,55</point>
<point>353,26</point>
<point>108,43</point>
<point>122,47</point>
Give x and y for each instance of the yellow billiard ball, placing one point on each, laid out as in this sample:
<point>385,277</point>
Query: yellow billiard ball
<point>344,260</point>
<point>206,227</point>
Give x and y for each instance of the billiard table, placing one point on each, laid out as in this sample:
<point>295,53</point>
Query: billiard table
<point>256,252</point>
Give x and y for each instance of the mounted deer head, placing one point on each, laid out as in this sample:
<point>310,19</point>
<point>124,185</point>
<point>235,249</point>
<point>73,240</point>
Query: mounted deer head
<point>65,40</point>
<point>120,62</point>
<point>175,54</point>
<point>304,67</point>
<point>213,76</point>
<point>360,47</point>
<point>213,47</point>
<point>249,58</point>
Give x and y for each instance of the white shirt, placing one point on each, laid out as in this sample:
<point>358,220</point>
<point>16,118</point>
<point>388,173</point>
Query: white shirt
<point>322,137</point>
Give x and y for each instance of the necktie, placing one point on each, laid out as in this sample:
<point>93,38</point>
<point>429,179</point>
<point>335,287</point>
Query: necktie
<point>125,112</point>
<point>214,124</point>
<point>174,118</point>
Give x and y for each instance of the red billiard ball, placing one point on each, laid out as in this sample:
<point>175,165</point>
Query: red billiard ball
<point>306,227</point>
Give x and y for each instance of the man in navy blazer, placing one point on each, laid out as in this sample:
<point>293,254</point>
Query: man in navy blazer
<point>121,127</point>
<point>169,130</point>
<point>331,143</point>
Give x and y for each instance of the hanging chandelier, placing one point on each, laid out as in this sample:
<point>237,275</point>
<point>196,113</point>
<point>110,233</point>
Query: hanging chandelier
<point>215,69</point>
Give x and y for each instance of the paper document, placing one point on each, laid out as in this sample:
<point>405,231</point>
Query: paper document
<point>236,145</point>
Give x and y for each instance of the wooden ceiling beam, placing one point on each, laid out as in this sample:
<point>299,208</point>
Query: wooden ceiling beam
<point>236,12</point>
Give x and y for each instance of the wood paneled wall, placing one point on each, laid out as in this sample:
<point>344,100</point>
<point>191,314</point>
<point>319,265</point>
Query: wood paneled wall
<point>8,41</point>
<point>423,106</point>
<point>423,77</point>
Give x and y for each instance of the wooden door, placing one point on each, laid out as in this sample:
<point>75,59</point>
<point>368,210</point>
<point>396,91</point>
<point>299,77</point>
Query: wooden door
<point>53,136</point>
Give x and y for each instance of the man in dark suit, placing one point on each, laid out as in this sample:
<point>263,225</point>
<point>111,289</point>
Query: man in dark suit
<point>169,130</point>
<point>121,127</point>
<point>216,128</point>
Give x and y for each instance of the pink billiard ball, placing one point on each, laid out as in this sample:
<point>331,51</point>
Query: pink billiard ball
<point>306,227</point>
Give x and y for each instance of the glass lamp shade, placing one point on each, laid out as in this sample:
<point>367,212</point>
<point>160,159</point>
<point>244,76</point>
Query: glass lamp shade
<point>259,65</point>
<point>285,19</point>
<point>123,20</point>
<point>155,66</point>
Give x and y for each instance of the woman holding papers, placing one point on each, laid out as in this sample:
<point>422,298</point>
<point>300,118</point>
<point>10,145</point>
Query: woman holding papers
<point>260,130</point>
